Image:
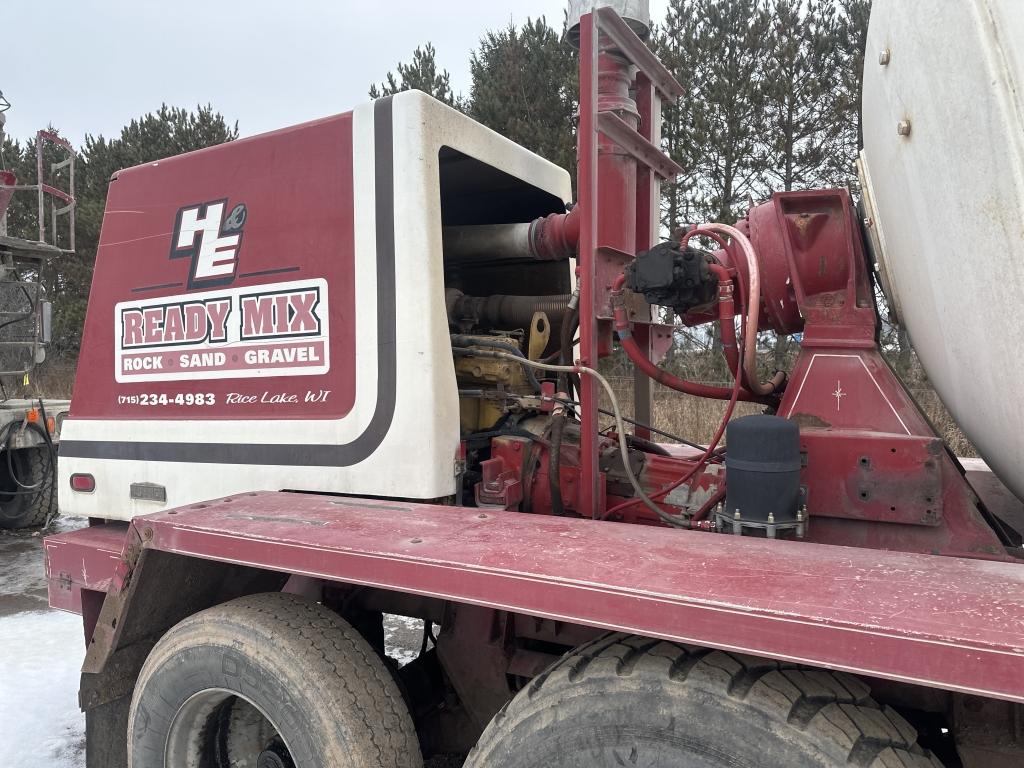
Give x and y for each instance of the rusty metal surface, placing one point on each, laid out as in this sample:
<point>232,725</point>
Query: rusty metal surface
<point>951,623</point>
<point>888,478</point>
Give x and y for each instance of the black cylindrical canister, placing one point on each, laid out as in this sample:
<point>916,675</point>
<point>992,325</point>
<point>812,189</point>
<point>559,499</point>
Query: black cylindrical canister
<point>762,469</point>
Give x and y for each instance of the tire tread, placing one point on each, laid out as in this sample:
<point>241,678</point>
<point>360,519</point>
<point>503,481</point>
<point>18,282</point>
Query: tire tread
<point>826,706</point>
<point>325,647</point>
<point>34,510</point>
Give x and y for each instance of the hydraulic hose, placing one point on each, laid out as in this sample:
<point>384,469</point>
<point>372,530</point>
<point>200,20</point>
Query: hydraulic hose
<point>620,427</point>
<point>708,453</point>
<point>641,361</point>
<point>726,315</point>
<point>555,459</point>
<point>753,299</point>
<point>6,444</point>
<point>570,321</point>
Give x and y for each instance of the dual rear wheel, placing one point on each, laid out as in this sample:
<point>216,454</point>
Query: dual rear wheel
<point>274,681</point>
<point>28,497</point>
<point>268,681</point>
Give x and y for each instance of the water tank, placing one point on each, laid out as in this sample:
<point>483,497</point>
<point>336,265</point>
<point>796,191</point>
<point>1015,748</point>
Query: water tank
<point>942,172</point>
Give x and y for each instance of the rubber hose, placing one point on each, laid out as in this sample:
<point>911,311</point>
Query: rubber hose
<point>555,462</point>
<point>509,311</point>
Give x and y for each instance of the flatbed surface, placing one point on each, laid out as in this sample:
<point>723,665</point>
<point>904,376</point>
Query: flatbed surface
<point>947,622</point>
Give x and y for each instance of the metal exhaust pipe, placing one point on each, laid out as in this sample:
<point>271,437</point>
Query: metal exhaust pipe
<point>636,13</point>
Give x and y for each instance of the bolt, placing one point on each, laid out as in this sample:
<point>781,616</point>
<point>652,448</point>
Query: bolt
<point>884,56</point>
<point>771,518</point>
<point>903,128</point>
<point>147,534</point>
<point>868,222</point>
<point>737,515</point>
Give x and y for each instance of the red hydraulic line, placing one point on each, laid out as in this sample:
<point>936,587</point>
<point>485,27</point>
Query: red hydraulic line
<point>702,513</point>
<point>726,315</point>
<point>709,451</point>
<point>632,350</point>
<point>753,305</point>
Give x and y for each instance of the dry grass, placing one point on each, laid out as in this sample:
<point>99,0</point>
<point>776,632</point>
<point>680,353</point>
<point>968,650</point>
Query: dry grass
<point>53,379</point>
<point>696,419</point>
<point>692,418</point>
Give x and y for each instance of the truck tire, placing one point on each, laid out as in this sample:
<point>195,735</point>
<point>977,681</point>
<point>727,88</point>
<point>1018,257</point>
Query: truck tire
<point>27,507</point>
<point>624,701</point>
<point>268,681</point>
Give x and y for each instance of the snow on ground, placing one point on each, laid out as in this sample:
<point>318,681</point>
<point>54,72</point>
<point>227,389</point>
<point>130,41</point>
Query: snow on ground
<point>40,657</point>
<point>41,653</point>
<point>402,638</point>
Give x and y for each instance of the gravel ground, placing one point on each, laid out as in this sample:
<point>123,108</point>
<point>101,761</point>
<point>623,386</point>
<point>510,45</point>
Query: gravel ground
<point>41,652</point>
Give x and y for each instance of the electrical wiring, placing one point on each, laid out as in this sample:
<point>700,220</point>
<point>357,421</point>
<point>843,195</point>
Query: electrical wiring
<point>620,424</point>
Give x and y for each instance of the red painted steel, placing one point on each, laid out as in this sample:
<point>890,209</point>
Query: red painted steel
<point>616,168</point>
<point>952,623</point>
<point>587,196</point>
<point>876,473</point>
<point>647,208</point>
<point>83,559</point>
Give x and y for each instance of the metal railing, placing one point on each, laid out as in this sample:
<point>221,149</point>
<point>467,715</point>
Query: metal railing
<point>62,201</point>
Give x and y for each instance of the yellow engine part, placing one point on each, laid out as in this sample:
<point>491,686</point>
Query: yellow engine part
<point>482,413</point>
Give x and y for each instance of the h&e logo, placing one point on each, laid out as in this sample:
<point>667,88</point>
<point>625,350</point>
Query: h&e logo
<point>211,239</point>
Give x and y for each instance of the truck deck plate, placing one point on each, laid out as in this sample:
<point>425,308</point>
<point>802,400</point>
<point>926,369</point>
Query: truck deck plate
<point>80,559</point>
<point>948,622</point>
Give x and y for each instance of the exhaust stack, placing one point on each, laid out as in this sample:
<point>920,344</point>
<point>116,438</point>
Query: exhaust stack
<point>636,13</point>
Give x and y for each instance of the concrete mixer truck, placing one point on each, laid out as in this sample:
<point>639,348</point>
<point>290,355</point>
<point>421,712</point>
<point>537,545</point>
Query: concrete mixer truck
<point>30,426</point>
<point>350,369</point>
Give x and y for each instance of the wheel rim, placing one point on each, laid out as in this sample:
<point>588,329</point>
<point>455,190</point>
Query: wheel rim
<point>216,728</point>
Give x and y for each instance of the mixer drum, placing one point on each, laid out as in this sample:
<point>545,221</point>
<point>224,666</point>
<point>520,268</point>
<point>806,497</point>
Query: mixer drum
<point>942,172</point>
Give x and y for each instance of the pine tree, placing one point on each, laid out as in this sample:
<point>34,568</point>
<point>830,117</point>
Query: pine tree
<point>674,45</point>
<point>850,39</point>
<point>524,86</point>
<point>169,131</point>
<point>802,132</point>
<point>419,74</point>
<point>723,124</point>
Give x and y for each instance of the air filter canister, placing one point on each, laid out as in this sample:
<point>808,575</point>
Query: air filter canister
<point>762,473</point>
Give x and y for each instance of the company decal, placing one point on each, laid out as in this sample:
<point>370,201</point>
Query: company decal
<point>211,238</point>
<point>275,329</point>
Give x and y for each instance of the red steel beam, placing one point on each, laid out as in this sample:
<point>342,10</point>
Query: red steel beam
<point>647,220</point>
<point>951,623</point>
<point>586,194</point>
<point>637,145</point>
<point>626,41</point>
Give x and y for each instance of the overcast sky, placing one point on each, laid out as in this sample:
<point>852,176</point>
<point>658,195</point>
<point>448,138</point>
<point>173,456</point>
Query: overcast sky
<point>90,66</point>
